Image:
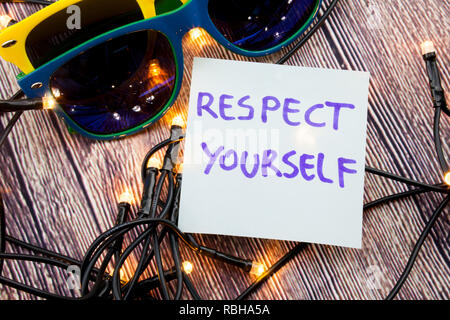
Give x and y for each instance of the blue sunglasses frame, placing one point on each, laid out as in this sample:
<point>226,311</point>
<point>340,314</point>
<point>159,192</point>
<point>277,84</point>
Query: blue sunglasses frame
<point>174,25</point>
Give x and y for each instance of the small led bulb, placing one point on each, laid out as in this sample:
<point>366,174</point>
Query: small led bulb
<point>447,178</point>
<point>178,121</point>
<point>4,21</point>
<point>187,267</point>
<point>198,36</point>
<point>122,275</point>
<point>257,269</point>
<point>48,102</point>
<point>195,33</point>
<point>153,163</point>
<point>427,47</point>
<point>126,197</point>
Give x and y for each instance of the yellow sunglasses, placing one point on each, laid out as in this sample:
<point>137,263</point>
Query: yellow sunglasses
<point>28,44</point>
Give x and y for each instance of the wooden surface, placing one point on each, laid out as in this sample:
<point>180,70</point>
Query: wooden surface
<point>61,189</point>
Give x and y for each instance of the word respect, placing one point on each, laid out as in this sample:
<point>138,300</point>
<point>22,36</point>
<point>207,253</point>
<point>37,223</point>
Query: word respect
<point>226,108</point>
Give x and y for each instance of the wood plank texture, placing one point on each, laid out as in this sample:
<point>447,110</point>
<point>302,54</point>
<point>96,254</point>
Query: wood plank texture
<point>61,190</point>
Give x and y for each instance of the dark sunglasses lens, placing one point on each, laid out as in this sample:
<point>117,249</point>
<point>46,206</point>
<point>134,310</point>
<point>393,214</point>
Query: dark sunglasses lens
<point>77,24</point>
<point>257,25</point>
<point>117,85</point>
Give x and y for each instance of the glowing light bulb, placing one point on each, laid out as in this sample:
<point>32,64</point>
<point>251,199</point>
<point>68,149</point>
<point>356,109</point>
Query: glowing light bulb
<point>48,102</point>
<point>126,197</point>
<point>4,21</point>
<point>155,69</point>
<point>195,33</point>
<point>447,178</point>
<point>257,269</point>
<point>178,121</point>
<point>153,163</point>
<point>198,36</point>
<point>427,47</point>
<point>187,267</point>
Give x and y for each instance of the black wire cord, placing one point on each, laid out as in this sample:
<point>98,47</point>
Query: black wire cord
<point>161,223</point>
<point>437,141</point>
<point>2,232</point>
<point>134,288</point>
<point>417,247</point>
<point>20,105</point>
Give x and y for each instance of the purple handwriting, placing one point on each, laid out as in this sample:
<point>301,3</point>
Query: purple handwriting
<point>308,166</point>
<point>289,107</point>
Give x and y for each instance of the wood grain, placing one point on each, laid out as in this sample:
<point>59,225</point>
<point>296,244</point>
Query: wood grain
<point>61,189</point>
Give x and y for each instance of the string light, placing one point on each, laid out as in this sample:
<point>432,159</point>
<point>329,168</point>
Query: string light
<point>427,47</point>
<point>447,178</point>
<point>257,269</point>
<point>437,91</point>
<point>48,102</point>
<point>4,21</point>
<point>187,267</point>
<point>167,220</point>
<point>196,33</point>
<point>153,163</point>
<point>122,275</point>
<point>198,36</point>
<point>178,121</point>
<point>126,197</point>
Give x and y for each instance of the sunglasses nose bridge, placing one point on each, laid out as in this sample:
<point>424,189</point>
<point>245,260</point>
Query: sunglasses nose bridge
<point>190,17</point>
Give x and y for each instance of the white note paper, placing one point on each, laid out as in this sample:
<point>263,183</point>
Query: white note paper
<point>275,152</point>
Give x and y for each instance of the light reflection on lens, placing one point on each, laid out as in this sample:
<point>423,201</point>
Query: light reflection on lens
<point>257,25</point>
<point>119,84</point>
